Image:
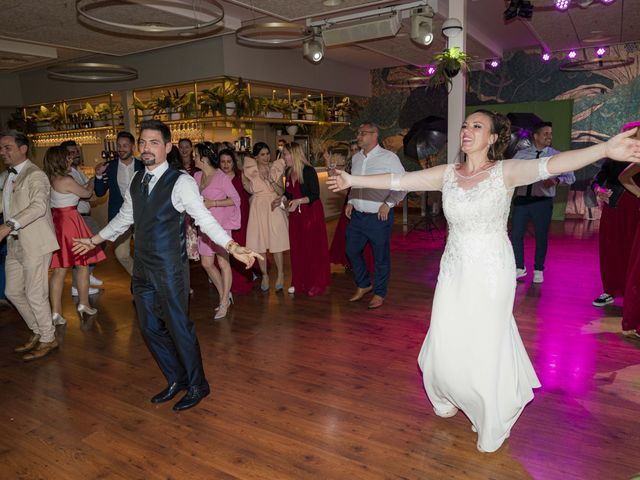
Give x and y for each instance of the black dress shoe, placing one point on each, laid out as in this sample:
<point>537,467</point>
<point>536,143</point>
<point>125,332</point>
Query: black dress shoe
<point>192,398</point>
<point>168,393</point>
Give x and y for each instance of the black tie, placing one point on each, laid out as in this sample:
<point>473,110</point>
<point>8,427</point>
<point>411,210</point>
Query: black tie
<point>145,184</point>
<point>12,170</point>
<point>530,187</point>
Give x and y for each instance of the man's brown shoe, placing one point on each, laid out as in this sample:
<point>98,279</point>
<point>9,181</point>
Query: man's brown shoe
<point>360,292</point>
<point>41,350</point>
<point>376,302</point>
<point>30,345</point>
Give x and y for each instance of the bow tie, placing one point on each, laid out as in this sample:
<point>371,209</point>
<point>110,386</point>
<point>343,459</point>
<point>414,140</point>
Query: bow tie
<point>13,170</point>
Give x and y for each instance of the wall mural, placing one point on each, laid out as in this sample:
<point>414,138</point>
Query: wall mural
<point>603,100</point>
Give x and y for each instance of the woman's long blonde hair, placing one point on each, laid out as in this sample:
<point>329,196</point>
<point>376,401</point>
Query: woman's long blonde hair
<point>299,160</point>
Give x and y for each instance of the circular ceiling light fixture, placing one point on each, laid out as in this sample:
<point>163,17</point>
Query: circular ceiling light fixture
<point>189,18</point>
<point>273,34</point>
<point>92,72</point>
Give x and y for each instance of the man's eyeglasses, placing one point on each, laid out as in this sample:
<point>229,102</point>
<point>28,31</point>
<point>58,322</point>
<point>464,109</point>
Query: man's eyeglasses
<point>365,132</point>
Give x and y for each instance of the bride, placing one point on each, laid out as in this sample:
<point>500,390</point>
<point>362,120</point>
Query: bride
<point>473,358</point>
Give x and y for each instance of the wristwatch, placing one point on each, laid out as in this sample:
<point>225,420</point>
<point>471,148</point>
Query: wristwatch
<point>11,225</point>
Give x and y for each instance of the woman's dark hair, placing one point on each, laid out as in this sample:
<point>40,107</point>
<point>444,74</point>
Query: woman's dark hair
<point>174,160</point>
<point>230,153</point>
<point>257,148</point>
<point>207,150</point>
<point>501,126</point>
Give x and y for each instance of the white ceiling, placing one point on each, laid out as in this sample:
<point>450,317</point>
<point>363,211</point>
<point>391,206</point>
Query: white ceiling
<point>55,23</point>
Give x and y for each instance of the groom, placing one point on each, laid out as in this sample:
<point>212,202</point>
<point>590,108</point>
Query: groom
<point>156,202</point>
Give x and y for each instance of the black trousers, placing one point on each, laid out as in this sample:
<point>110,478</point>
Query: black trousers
<point>162,303</point>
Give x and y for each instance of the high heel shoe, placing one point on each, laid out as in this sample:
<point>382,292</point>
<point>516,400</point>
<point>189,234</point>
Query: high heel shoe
<point>279,287</point>
<point>86,309</point>
<point>222,311</point>
<point>58,319</point>
<point>230,298</point>
<point>264,286</point>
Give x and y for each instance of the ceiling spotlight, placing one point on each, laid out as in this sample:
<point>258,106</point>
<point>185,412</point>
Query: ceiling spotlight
<point>546,56</point>
<point>572,54</point>
<point>451,27</point>
<point>562,4</point>
<point>521,8</point>
<point>429,70</point>
<point>493,63</point>
<point>422,25</point>
<point>313,50</point>
<point>608,2</point>
<point>600,52</point>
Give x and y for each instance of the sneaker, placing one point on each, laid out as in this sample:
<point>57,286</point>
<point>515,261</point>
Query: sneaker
<point>96,282</point>
<point>521,272</point>
<point>92,291</point>
<point>291,290</point>
<point>538,277</point>
<point>602,300</point>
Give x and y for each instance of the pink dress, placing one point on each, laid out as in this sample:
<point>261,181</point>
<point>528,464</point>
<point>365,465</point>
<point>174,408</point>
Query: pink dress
<point>220,187</point>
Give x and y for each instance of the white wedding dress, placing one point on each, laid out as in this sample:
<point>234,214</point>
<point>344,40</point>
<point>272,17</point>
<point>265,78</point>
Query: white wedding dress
<point>473,358</point>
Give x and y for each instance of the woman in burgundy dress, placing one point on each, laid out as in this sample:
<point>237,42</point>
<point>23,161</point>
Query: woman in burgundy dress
<point>68,223</point>
<point>242,282</point>
<point>631,306</point>
<point>310,268</point>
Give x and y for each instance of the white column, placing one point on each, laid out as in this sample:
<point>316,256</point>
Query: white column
<point>456,104</point>
<point>126,99</point>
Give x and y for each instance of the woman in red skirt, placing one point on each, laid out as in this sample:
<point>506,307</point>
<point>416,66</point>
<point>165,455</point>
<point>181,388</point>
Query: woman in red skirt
<point>68,223</point>
<point>631,306</point>
<point>310,268</point>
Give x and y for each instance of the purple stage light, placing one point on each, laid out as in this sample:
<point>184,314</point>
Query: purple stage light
<point>601,51</point>
<point>494,63</point>
<point>562,4</point>
<point>429,70</point>
<point>546,56</point>
<point>608,2</point>
<point>572,54</point>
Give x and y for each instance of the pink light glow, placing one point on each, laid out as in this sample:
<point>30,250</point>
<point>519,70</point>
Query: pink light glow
<point>608,2</point>
<point>601,51</point>
<point>430,70</point>
<point>546,56</point>
<point>562,4</point>
<point>572,54</point>
<point>494,64</point>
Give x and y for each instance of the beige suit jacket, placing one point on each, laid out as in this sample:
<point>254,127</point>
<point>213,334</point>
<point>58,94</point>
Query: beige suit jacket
<point>31,209</point>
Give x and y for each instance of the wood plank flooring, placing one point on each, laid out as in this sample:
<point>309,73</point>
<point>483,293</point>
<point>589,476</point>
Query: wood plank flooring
<point>318,388</point>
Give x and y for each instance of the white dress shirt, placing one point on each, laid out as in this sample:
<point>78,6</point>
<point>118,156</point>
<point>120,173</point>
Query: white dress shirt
<point>84,207</point>
<point>185,196</point>
<point>378,160</point>
<point>6,195</point>
<point>125,174</point>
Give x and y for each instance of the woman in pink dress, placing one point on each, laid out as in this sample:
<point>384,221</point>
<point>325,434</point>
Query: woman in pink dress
<point>222,200</point>
<point>267,229</point>
<point>310,268</point>
<point>68,223</point>
<point>241,277</point>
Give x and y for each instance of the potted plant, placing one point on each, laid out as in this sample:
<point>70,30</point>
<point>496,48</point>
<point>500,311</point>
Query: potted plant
<point>320,110</point>
<point>215,100</point>
<point>307,108</point>
<point>107,113</point>
<point>344,110</point>
<point>245,105</point>
<point>296,107</point>
<point>275,107</point>
<point>143,109</point>
<point>188,105</point>
<point>168,103</point>
<point>450,62</point>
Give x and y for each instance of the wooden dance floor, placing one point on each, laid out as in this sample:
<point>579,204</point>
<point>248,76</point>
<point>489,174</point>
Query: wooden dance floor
<point>318,388</point>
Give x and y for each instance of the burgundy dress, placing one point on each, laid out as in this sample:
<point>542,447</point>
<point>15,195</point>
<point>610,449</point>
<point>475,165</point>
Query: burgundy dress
<point>338,250</point>
<point>617,230</point>
<point>242,282</point>
<point>310,268</point>
<point>631,305</point>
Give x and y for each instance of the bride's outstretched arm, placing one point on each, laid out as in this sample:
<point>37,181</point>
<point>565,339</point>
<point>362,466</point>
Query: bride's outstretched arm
<point>420,181</point>
<point>621,147</point>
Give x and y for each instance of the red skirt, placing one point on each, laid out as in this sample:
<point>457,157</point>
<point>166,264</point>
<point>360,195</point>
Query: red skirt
<point>631,305</point>
<point>310,268</point>
<point>617,230</point>
<point>69,224</point>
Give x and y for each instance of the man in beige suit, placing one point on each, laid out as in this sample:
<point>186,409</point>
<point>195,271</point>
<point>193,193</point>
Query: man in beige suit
<point>31,239</point>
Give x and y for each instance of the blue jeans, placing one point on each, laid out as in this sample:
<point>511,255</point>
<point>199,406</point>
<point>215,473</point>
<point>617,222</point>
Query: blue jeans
<point>363,228</point>
<point>539,210</point>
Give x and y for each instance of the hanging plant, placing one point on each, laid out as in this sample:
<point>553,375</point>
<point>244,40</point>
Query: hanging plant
<point>450,62</point>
